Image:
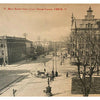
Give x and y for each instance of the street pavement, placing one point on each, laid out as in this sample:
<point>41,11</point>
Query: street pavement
<point>31,85</point>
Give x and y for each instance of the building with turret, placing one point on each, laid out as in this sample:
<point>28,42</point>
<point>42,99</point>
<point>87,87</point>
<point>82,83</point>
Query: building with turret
<point>87,23</point>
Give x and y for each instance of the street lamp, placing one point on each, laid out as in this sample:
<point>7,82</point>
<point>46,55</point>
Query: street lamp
<point>25,35</point>
<point>56,73</point>
<point>53,60</point>
<point>53,68</point>
<point>45,67</point>
<point>48,89</point>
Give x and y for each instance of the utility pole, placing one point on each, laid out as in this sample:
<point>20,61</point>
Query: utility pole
<point>56,73</point>
<point>4,51</point>
<point>53,63</point>
<point>25,35</point>
<point>53,67</point>
<point>55,50</point>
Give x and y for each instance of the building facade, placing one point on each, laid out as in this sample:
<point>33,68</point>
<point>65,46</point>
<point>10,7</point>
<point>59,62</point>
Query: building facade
<point>13,49</point>
<point>88,23</point>
<point>89,27</point>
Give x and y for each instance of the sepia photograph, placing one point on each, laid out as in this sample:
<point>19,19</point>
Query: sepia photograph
<point>49,50</point>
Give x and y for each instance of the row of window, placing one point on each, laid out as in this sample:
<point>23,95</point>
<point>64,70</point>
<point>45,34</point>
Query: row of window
<point>89,25</point>
<point>82,53</point>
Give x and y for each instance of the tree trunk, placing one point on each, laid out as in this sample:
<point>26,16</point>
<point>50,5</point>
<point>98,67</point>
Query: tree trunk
<point>97,70</point>
<point>78,71</point>
<point>85,92</point>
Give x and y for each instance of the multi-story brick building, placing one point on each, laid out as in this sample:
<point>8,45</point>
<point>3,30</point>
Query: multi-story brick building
<point>13,49</point>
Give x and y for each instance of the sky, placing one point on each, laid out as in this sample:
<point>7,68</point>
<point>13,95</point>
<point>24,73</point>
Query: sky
<point>46,24</point>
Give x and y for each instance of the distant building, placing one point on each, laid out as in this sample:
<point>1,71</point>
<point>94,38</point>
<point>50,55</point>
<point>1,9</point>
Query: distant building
<point>13,49</point>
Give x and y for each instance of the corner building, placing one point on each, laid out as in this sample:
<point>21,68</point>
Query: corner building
<point>84,26</point>
<point>13,49</point>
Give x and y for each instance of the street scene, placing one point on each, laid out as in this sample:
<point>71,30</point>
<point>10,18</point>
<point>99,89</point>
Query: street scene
<point>27,84</point>
<point>49,50</point>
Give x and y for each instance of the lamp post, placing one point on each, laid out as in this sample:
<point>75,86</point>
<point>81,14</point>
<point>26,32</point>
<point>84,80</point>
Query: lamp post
<point>45,67</point>
<point>56,73</point>
<point>25,35</point>
<point>53,68</point>
<point>48,89</point>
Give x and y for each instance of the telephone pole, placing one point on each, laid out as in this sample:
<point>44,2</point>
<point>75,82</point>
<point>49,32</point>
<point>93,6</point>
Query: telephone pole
<point>4,62</point>
<point>25,35</point>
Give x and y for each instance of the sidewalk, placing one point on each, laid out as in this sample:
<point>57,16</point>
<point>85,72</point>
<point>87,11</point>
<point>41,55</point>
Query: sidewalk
<point>14,64</point>
<point>62,84</point>
<point>19,63</point>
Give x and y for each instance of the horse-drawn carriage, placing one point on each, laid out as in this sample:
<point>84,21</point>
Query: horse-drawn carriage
<point>41,74</point>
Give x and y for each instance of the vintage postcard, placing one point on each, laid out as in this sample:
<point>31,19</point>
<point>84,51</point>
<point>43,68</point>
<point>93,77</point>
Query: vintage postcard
<point>49,50</point>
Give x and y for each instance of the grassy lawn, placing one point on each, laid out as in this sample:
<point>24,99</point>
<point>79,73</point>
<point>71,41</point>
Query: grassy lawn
<point>77,85</point>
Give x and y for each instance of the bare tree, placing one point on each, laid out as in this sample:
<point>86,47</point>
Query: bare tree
<point>84,47</point>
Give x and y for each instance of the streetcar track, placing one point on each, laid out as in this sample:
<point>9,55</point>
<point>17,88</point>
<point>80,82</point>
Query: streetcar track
<point>9,85</point>
<point>5,88</point>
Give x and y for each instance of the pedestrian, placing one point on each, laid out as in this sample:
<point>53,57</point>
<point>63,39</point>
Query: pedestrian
<point>47,75</point>
<point>67,74</point>
<point>44,70</point>
<point>14,91</point>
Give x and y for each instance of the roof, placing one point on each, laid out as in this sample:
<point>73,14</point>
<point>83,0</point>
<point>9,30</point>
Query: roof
<point>14,38</point>
<point>81,23</point>
<point>90,10</point>
<point>87,22</point>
